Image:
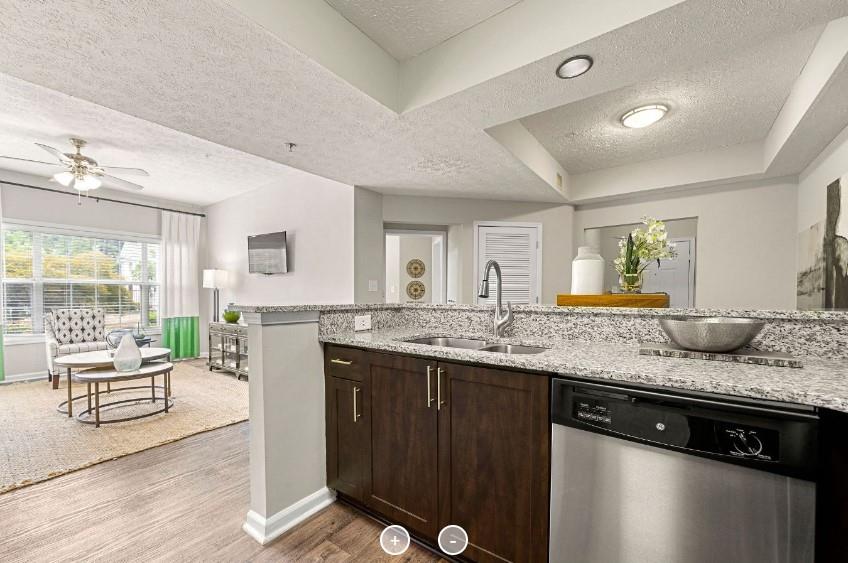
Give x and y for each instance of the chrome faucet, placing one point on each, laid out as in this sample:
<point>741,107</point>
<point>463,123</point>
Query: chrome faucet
<point>502,322</point>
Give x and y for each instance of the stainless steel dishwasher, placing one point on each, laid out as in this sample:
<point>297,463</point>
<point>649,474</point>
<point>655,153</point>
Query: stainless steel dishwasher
<point>639,476</point>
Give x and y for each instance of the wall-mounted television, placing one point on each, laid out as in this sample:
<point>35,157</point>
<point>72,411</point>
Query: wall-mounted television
<point>266,254</point>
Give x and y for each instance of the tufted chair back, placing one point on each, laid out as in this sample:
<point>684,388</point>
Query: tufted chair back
<point>73,326</point>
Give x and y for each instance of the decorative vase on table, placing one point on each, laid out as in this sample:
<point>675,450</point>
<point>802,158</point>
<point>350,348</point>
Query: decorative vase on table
<point>587,272</point>
<point>630,283</point>
<point>127,356</point>
<point>640,249</point>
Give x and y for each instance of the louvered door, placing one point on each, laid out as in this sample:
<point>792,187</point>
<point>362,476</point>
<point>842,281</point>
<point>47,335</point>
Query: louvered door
<point>516,250</point>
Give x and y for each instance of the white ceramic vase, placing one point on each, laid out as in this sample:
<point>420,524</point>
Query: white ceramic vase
<point>127,356</point>
<point>587,272</point>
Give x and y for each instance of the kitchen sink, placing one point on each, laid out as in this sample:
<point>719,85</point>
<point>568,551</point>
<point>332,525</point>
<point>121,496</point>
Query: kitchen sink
<point>513,349</point>
<point>477,344</point>
<point>448,342</point>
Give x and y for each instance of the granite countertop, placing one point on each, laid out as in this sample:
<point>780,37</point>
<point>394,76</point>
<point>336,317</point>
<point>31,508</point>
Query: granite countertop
<point>785,315</point>
<point>820,383</point>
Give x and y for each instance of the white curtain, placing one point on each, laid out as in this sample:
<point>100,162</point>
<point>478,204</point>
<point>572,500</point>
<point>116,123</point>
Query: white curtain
<point>180,293</point>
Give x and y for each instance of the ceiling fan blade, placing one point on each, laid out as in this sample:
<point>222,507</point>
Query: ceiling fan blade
<point>57,153</point>
<point>124,171</point>
<point>35,167</point>
<point>119,184</point>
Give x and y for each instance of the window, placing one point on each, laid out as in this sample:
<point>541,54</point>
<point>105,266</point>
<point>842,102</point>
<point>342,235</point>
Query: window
<point>48,268</point>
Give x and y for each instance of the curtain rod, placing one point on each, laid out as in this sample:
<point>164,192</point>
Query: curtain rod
<point>100,198</point>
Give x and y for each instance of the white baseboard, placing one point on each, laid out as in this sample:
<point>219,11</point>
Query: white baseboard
<point>265,530</point>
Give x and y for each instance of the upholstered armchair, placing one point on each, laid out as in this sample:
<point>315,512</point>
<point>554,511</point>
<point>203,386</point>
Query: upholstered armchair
<point>70,331</point>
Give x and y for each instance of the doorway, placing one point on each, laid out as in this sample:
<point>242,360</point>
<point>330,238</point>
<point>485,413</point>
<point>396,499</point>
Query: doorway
<point>416,266</point>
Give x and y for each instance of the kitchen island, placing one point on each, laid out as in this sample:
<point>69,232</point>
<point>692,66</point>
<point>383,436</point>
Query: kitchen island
<point>293,408</point>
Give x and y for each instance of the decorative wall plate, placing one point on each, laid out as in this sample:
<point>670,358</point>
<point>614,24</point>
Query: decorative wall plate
<point>415,290</point>
<point>415,268</point>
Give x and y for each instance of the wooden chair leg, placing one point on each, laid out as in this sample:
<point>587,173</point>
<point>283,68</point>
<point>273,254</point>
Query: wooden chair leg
<point>55,379</point>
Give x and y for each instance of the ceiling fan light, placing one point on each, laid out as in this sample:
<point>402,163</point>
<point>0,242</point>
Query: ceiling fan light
<point>87,183</point>
<point>644,116</point>
<point>64,178</point>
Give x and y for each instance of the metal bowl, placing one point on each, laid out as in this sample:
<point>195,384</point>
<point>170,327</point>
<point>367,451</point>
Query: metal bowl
<point>711,334</point>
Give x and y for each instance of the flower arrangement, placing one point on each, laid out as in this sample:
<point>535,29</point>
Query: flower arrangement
<point>639,249</point>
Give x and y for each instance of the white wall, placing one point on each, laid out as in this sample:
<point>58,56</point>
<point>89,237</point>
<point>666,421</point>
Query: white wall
<point>745,245</point>
<point>317,215</point>
<point>460,215</point>
<point>368,246</point>
<point>831,164</point>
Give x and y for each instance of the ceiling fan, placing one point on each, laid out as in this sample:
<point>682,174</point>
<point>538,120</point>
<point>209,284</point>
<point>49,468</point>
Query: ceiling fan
<point>75,170</point>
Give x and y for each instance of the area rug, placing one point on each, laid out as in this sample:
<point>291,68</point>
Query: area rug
<point>38,443</point>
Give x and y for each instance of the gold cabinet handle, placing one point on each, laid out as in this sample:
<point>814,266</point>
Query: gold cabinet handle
<point>341,362</point>
<point>356,414</point>
<point>429,394</point>
<point>439,401</point>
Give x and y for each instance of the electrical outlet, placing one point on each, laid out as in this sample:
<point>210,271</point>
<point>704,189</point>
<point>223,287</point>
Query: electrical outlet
<point>362,322</point>
<point>373,286</point>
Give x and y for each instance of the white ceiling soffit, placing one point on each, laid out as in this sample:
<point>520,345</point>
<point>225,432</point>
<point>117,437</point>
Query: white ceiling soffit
<point>198,66</point>
<point>732,100</point>
<point>182,168</point>
<point>406,28</point>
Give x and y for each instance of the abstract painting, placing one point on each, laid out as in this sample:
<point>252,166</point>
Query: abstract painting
<point>811,268</point>
<point>836,248</point>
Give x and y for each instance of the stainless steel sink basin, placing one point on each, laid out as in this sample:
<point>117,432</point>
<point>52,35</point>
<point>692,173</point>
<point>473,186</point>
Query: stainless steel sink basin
<point>513,349</point>
<point>448,342</point>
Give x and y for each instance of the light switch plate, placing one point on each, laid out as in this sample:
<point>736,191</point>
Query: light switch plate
<point>373,286</point>
<point>362,322</point>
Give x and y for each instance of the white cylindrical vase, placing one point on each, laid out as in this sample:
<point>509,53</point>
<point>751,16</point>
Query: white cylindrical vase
<point>587,272</point>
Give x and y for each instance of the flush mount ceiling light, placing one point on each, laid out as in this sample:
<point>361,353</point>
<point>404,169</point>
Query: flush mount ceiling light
<point>643,116</point>
<point>574,66</point>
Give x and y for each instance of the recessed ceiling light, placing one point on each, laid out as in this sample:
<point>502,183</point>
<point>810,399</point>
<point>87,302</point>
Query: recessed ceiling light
<point>643,116</point>
<point>574,66</point>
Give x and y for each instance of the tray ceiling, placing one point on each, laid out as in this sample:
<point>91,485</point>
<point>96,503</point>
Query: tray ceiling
<point>406,28</point>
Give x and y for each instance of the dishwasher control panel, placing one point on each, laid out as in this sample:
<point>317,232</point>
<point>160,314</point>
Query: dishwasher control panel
<point>750,435</point>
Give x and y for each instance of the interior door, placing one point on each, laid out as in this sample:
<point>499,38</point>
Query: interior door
<point>404,442</point>
<point>674,276</point>
<point>516,250</point>
<point>494,461</point>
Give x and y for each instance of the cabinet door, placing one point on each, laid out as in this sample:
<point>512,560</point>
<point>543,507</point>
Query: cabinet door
<point>494,460</point>
<point>404,442</point>
<point>348,437</point>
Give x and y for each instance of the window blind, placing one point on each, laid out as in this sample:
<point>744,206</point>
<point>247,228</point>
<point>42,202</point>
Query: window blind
<point>45,269</point>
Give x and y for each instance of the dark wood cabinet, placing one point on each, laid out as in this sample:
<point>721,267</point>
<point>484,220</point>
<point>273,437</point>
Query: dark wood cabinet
<point>446,444</point>
<point>348,437</point>
<point>404,442</point>
<point>494,460</point>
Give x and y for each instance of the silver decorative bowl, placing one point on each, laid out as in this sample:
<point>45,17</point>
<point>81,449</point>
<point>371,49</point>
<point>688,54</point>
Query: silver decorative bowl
<point>711,334</point>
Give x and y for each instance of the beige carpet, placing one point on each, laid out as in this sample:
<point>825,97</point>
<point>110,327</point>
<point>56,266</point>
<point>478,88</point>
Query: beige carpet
<point>38,443</point>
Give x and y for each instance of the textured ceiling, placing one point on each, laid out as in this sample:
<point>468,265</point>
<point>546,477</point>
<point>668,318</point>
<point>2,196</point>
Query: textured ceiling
<point>405,28</point>
<point>200,67</point>
<point>181,167</point>
<point>728,102</point>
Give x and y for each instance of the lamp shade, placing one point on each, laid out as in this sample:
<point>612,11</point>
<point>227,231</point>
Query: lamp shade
<point>215,279</point>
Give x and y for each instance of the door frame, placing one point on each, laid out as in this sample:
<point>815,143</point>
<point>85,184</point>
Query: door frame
<point>433,233</point>
<point>539,269</point>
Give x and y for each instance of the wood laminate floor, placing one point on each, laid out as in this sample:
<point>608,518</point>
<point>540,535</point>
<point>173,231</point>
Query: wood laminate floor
<point>184,501</point>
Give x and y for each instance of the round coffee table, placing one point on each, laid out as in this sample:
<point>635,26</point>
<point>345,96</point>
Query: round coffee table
<point>98,359</point>
<point>110,375</point>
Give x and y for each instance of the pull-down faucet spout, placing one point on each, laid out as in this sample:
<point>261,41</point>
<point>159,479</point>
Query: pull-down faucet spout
<point>502,321</point>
